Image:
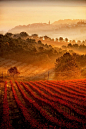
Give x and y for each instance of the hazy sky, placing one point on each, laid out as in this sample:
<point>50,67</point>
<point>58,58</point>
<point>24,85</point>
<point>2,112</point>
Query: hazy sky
<point>21,12</point>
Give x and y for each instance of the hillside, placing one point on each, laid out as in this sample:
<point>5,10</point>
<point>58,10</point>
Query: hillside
<point>22,48</point>
<point>65,28</point>
<point>36,60</point>
<point>43,104</point>
<point>67,21</point>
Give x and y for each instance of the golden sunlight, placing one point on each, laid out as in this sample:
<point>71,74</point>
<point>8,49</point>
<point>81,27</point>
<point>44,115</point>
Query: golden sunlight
<point>36,13</point>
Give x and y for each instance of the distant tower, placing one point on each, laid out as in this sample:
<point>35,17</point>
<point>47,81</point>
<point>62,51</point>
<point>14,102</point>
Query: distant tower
<point>49,22</point>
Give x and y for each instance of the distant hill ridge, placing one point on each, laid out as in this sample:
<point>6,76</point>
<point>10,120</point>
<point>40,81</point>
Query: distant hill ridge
<point>65,28</point>
<point>65,21</point>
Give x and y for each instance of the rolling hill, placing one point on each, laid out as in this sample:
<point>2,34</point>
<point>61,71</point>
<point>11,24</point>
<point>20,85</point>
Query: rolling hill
<point>65,28</point>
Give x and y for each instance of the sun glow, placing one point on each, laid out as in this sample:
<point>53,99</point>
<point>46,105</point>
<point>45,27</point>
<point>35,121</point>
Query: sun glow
<point>13,14</point>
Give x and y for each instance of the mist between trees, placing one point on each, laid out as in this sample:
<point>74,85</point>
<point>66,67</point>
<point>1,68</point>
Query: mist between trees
<point>61,54</point>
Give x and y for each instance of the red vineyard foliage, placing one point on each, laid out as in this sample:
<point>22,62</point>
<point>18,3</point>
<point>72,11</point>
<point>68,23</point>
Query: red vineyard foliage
<point>60,96</point>
<point>59,89</point>
<point>45,104</point>
<point>39,108</point>
<point>6,120</point>
<point>52,104</point>
<point>54,99</point>
<point>69,88</point>
<point>24,110</point>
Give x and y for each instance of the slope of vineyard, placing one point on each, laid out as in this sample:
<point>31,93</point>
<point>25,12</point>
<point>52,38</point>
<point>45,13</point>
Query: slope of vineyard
<point>43,104</point>
<point>25,69</point>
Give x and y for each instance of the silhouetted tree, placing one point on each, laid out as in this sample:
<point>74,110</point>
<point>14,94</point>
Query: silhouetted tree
<point>8,34</point>
<point>30,40</point>
<point>69,45</point>
<point>73,41</point>
<point>16,35</point>
<point>70,41</point>
<point>23,34</point>
<point>39,42</point>
<point>83,42</point>
<point>50,46</point>
<point>75,45</point>
<point>67,66</point>
<point>60,39</point>
<point>34,35</point>
<point>13,71</point>
<point>56,39</point>
<point>78,41</point>
<point>52,39</point>
<point>46,37</point>
<point>82,46</point>
<point>46,45</point>
<point>41,38</point>
<point>66,39</point>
